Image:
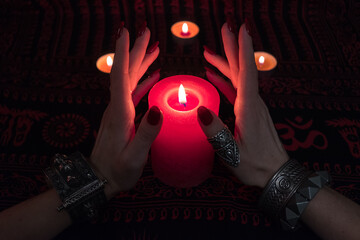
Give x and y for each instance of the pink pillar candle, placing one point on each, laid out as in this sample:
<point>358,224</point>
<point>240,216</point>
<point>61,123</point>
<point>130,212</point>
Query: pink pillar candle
<point>181,155</point>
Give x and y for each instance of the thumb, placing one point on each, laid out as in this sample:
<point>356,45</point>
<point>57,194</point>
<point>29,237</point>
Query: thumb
<point>209,122</point>
<point>149,128</point>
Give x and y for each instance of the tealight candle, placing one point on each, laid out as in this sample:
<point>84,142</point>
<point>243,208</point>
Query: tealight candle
<point>261,60</point>
<point>105,62</point>
<point>265,61</point>
<point>184,29</point>
<point>181,155</point>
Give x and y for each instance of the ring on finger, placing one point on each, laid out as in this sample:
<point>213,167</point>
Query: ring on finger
<point>225,146</point>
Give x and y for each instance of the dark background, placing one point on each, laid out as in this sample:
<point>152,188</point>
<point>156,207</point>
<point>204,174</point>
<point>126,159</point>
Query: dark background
<point>52,98</point>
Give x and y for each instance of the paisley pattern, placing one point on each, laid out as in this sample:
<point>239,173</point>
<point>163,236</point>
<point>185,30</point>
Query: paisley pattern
<point>52,99</point>
<point>66,130</point>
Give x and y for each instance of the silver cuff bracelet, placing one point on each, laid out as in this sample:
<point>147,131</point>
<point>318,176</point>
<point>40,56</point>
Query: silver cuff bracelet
<point>80,190</point>
<point>289,191</point>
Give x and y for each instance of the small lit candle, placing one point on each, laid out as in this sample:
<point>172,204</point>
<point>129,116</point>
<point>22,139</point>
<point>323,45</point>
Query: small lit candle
<point>181,156</point>
<point>265,61</point>
<point>261,60</point>
<point>109,61</point>
<point>184,29</point>
<point>105,62</point>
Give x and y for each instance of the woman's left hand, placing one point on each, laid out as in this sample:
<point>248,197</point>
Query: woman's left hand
<point>261,151</point>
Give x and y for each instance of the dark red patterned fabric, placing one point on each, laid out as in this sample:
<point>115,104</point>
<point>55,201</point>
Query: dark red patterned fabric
<point>52,99</point>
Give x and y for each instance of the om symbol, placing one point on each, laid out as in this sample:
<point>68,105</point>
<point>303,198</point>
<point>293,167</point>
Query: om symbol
<point>314,138</point>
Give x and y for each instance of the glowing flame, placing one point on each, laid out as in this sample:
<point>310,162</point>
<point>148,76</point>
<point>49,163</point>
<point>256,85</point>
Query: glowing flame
<point>182,95</point>
<point>109,61</point>
<point>185,28</point>
<point>261,59</point>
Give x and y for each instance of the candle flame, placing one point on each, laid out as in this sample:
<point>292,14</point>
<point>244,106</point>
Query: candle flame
<point>261,59</point>
<point>182,95</point>
<point>185,28</point>
<point>109,61</point>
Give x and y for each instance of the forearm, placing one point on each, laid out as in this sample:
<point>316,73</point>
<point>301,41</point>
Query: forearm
<point>332,216</point>
<point>328,213</point>
<point>36,218</point>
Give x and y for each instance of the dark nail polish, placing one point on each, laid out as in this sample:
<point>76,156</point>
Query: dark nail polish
<point>155,72</point>
<point>154,115</point>
<point>141,29</point>
<point>248,27</point>
<point>210,70</point>
<point>205,115</point>
<point>231,24</point>
<point>152,48</point>
<point>209,50</point>
<point>120,30</point>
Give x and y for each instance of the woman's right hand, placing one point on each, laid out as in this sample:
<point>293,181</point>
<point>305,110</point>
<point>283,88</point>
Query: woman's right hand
<point>119,155</point>
<point>261,152</point>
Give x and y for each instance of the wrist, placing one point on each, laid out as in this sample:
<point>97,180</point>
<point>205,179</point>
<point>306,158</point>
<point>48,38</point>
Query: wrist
<point>289,191</point>
<point>110,188</point>
<point>272,168</point>
<point>80,189</point>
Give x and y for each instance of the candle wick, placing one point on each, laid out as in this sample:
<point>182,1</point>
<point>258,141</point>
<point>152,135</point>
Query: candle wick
<point>184,104</point>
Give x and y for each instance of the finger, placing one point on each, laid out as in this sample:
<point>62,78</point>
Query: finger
<point>224,86</point>
<point>144,87</point>
<point>218,62</point>
<point>149,128</point>
<point>231,49</point>
<point>149,58</point>
<point>137,54</point>
<point>248,71</point>
<point>209,122</point>
<point>119,84</point>
<point>219,136</point>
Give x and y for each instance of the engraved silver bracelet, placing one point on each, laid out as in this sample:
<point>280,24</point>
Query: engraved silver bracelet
<point>289,191</point>
<point>80,190</point>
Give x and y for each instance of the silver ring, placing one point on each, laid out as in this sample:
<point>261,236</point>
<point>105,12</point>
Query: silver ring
<point>226,147</point>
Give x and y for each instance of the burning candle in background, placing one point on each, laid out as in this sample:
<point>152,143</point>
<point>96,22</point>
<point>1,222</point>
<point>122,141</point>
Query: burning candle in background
<point>261,60</point>
<point>181,155</point>
<point>109,61</point>
<point>265,61</point>
<point>104,63</point>
<point>184,29</point>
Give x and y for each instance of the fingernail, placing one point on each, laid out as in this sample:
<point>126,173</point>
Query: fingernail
<point>154,115</point>
<point>154,72</point>
<point>120,30</point>
<point>205,115</point>
<point>247,27</point>
<point>152,48</point>
<point>210,70</point>
<point>209,50</point>
<point>141,29</point>
<point>231,24</point>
